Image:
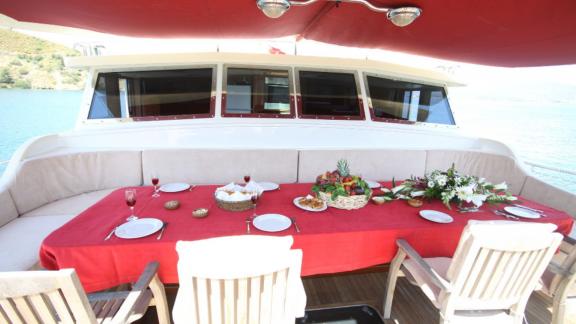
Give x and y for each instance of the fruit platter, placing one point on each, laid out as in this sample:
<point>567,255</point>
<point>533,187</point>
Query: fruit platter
<point>340,189</point>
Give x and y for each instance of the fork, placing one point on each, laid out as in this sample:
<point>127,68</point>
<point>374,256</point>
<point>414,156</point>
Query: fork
<point>110,234</point>
<point>295,225</point>
<point>248,220</point>
<point>505,214</point>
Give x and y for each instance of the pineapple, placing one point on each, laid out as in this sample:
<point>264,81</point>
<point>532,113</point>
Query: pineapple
<point>343,168</point>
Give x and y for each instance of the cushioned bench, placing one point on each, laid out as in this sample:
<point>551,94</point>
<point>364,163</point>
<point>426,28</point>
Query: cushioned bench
<point>47,192</point>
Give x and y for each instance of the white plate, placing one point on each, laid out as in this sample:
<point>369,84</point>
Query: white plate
<point>297,203</point>
<point>372,184</point>
<point>174,187</point>
<point>436,216</point>
<point>268,186</point>
<point>521,212</point>
<point>138,228</point>
<point>272,222</point>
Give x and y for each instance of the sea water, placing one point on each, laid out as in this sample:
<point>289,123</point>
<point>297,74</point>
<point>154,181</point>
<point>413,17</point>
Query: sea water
<point>542,132</point>
<point>25,114</point>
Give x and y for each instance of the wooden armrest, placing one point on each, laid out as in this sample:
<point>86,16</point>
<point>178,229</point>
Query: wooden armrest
<point>137,293</point>
<point>100,296</point>
<point>435,277</point>
<point>146,276</point>
<point>557,269</point>
<point>569,240</point>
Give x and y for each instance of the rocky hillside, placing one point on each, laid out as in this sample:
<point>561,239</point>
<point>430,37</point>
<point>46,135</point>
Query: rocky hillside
<point>28,62</point>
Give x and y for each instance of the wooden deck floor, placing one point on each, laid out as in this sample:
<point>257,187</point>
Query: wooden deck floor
<point>410,305</point>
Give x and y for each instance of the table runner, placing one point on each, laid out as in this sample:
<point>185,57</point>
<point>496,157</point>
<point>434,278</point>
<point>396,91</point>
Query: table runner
<point>332,241</point>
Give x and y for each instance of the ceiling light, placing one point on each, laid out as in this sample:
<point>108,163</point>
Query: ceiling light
<point>403,16</point>
<point>400,17</point>
<point>273,8</point>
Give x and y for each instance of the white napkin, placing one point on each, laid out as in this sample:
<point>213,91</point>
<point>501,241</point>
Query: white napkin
<point>235,196</point>
<point>253,187</point>
<point>234,192</point>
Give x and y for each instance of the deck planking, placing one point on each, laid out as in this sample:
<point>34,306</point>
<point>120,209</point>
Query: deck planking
<point>410,305</point>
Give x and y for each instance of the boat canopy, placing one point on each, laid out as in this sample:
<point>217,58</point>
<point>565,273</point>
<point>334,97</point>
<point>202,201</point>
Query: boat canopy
<point>499,33</point>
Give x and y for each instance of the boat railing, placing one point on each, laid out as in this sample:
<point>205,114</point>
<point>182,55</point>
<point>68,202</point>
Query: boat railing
<point>540,166</point>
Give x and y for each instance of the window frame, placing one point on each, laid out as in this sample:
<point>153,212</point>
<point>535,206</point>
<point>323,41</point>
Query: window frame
<point>373,117</point>
<point>213,91</point>
<point>328,117</point>
<point>224,92</point>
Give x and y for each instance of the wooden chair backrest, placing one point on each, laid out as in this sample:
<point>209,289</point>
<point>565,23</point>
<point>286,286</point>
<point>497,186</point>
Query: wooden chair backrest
<point>43,297</point>
<point>498,265</point>
<point>241,279</point>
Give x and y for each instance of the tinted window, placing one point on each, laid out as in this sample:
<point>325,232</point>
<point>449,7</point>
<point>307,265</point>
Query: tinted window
<point>257,91</point>
<point>329,94</point>
<point>152,93</point>
<point>409,101</point>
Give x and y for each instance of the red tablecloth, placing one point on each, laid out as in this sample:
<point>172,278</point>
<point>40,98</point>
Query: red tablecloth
<point>333,241</point>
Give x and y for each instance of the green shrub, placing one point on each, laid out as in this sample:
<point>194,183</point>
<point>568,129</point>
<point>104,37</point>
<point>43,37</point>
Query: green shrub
<point>5,76</point>
<point>22,84</point>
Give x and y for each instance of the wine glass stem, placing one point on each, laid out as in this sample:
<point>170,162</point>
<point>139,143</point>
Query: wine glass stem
<point>254,211</point>
<point>132,210</point>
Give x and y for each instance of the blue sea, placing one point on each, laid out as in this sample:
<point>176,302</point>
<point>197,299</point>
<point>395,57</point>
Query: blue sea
<point>542,132</point>
<point>25,114</point>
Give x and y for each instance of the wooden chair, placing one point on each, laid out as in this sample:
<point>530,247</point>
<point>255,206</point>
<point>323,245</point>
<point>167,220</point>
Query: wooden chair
<point>239,279</point>
<point>495,268</point>
<point>58,297</point>
<point>559,279</point>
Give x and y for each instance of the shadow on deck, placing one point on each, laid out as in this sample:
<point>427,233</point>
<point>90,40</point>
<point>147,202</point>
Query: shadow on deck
<point>410,305</point>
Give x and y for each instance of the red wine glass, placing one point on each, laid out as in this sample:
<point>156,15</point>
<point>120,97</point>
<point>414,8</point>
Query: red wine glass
<point>254,199</point>
<point>155,182</point>
<point>130,196</point>
<point>246,179</point>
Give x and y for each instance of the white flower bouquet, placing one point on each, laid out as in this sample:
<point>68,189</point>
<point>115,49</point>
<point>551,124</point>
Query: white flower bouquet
<point>449,186</point>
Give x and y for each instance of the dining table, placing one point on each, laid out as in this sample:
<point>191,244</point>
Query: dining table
<point>332,241</point>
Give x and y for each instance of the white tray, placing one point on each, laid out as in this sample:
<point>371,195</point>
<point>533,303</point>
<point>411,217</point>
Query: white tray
<point>522,212</point>
<point>297,203</point>
<point>138,228</point>
<point>272,222</point>
<point>436,216</point>
<point>174,187</point>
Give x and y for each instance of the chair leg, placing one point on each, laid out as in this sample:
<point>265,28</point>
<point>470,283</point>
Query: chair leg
<point>160,300</point>
<point>558,309</point>
<point>391,282</point>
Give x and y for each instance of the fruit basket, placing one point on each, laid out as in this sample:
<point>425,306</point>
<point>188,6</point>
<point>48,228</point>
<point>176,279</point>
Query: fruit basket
<point>340,189</point>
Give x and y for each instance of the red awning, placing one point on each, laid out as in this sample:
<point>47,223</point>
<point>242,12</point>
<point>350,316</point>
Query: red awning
<point>501,33</point>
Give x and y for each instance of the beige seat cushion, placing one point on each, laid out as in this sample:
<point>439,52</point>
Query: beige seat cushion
<point>71,206</point>
<point>20,240</point>
<point>44,180</point>
<point>495,168</point>
<point>376,165</point>
<point>540,191</point>
<point>198,166</point>
<point>417,277</point>
<point>8,210</point>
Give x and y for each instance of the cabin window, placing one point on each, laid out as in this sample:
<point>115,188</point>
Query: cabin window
<point>408,101</point>
<point>257,92</point>
<point>329,95</point>
<point>149,95</point>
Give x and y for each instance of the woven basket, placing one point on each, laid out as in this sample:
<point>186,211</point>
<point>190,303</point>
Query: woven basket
<point>234,205</point>
<point>352,202</point>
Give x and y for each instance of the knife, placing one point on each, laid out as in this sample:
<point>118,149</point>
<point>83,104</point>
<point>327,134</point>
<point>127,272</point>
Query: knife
<point>162,230</point>
<point>532,209</point>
